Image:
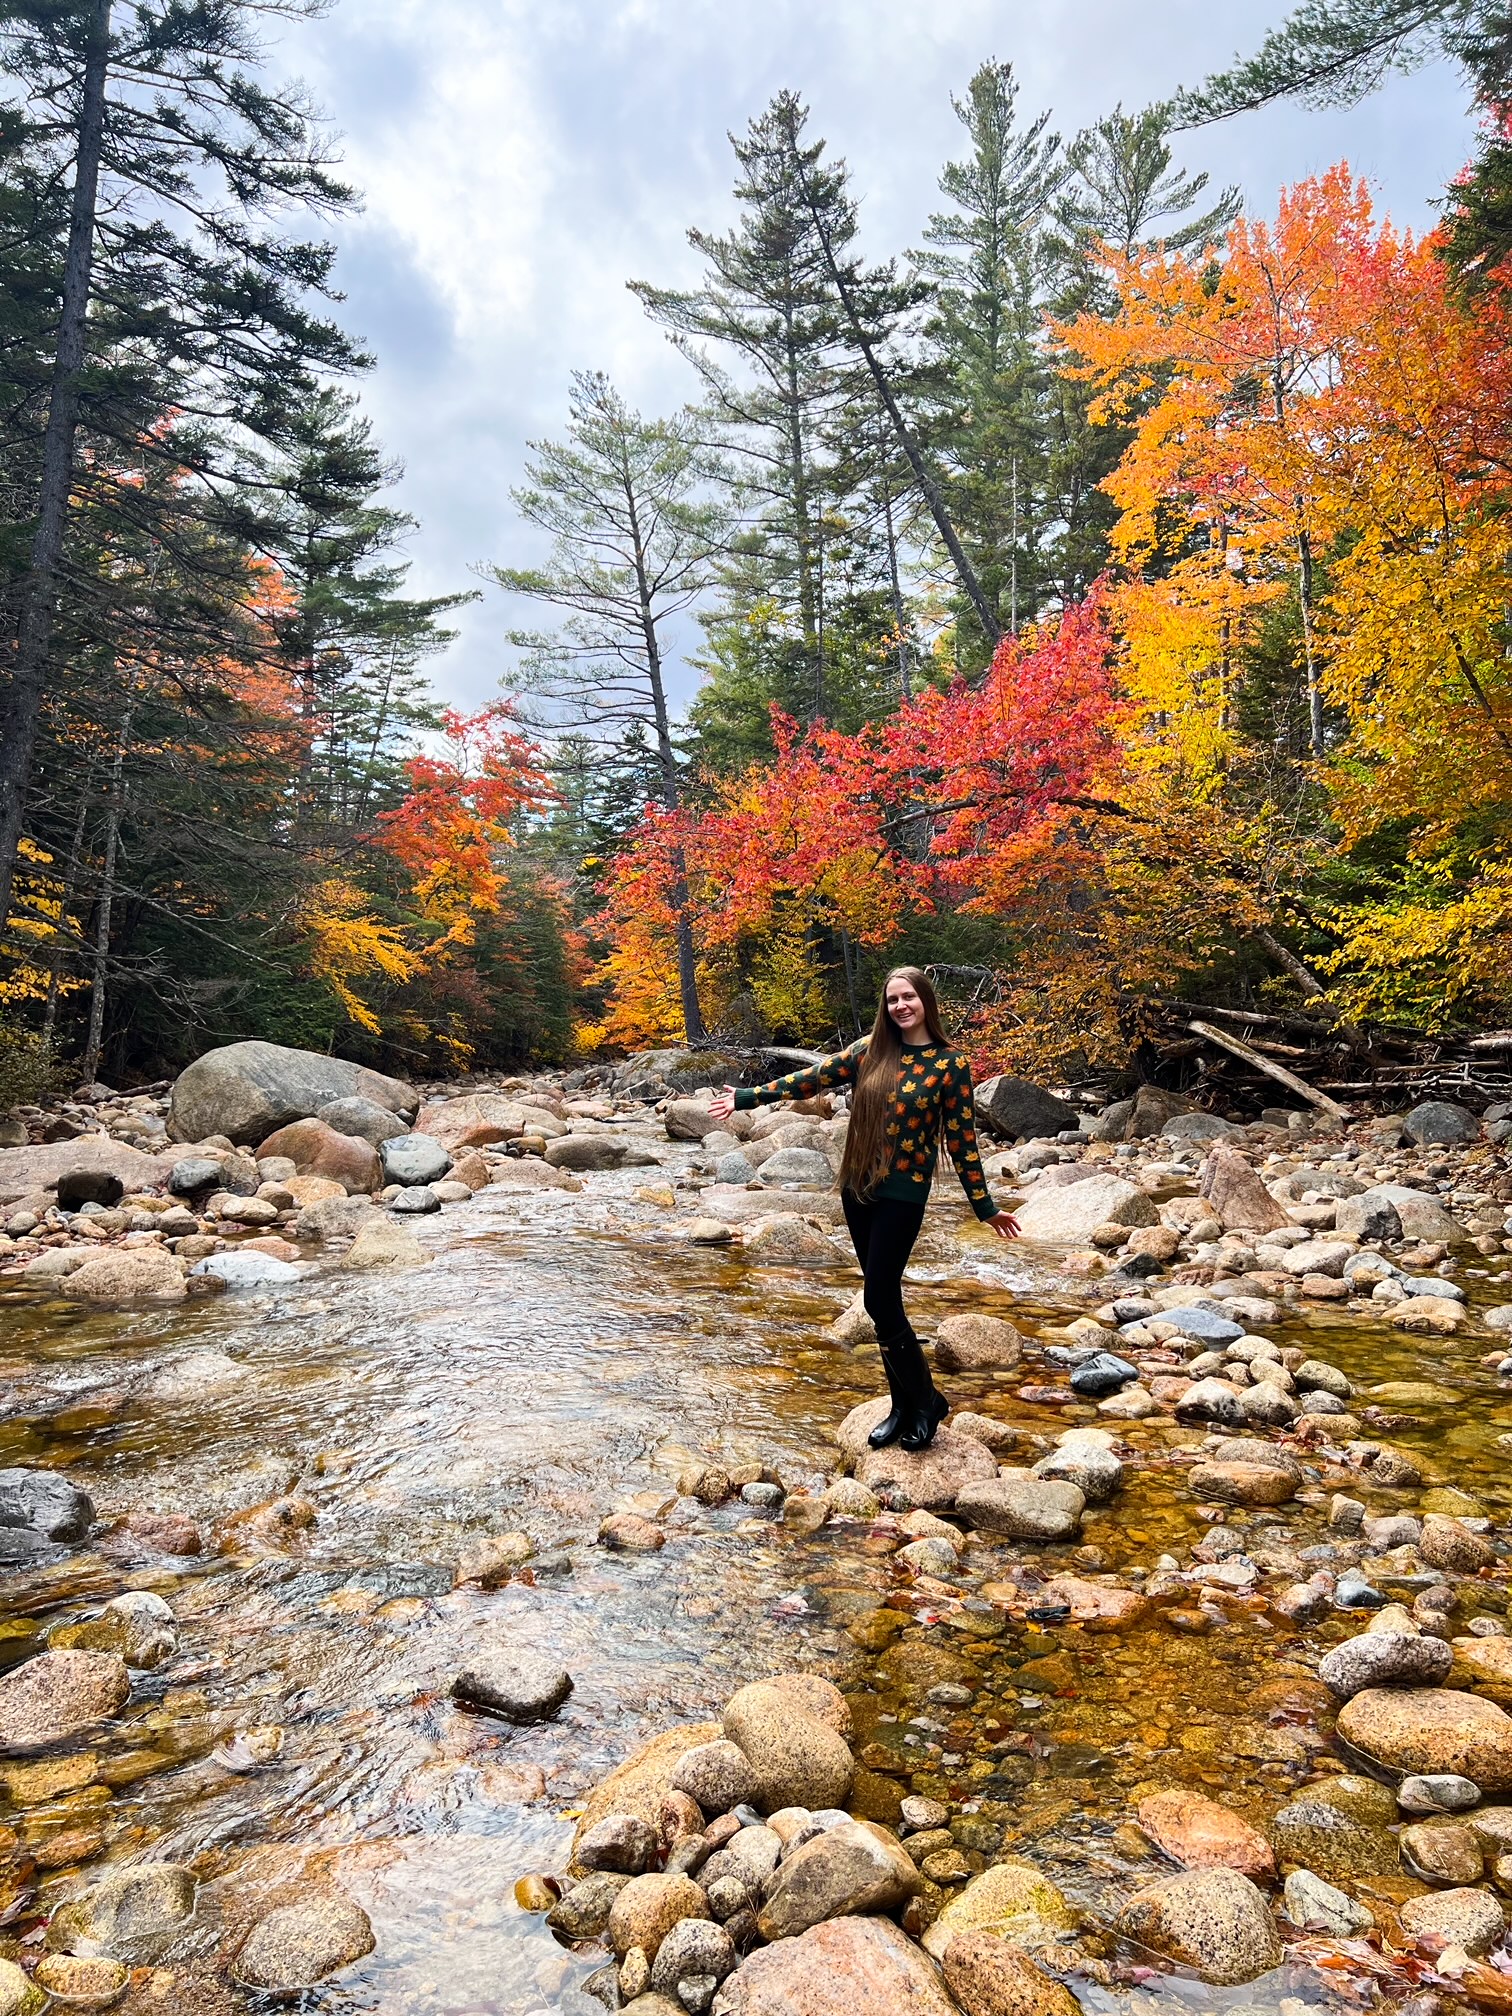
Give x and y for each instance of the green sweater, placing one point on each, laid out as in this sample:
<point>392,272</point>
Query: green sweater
<point>933,1097</point>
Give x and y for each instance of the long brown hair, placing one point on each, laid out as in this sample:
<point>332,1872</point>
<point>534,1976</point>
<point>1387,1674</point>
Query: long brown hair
<point>867,1149</point>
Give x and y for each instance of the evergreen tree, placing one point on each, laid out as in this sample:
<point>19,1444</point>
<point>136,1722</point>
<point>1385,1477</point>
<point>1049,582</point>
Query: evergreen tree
<point>634,536</point>
<point>176,156</point>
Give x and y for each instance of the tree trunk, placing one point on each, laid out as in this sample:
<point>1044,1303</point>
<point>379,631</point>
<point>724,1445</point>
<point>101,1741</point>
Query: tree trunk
<point>70,890</point>
<point>22,709</point>
<point>687,963</point>
<point>1305,596</point>
<point>933,497</point>
<point>105,903</point>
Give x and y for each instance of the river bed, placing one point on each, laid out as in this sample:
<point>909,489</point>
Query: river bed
<point>564,1356</point>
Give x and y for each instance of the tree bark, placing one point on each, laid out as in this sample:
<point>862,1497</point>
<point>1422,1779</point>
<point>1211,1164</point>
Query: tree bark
<point>21,713</point>
<point>104,904</point>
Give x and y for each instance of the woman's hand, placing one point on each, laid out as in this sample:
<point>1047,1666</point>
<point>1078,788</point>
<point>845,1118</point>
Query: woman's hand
<point>1004,1224</point>
<point>722,1105</point>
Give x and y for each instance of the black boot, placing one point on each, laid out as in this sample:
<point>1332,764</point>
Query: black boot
<point>892,1427</point>
<point>925,1409</point>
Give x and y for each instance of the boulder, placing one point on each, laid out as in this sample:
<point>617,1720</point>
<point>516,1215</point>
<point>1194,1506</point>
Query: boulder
<point>1200,1834</point>
<point>1015,1110</point>
<point>413,1159</point>
<point>975,1343</point>
<point>25,1171</point>
<point>130,1274</point>
<point>1071,1214</point>
<point>1213,1920</point>
<point>1428,1730</point>
<point>853,1966</point>
<point>797,1759</point>
<point>1420,1215</point>
<point>334,1217</point>
<point>318,1150</point>
<point>622,1842</point>
<point>804,1167</point>
<point>247,1091</point>
<point>1023,1508</point>
<point>381,1244</point>
<point>39,1510</point>
<point>132,1914</point>
<point>1096,1472</point>
<point>249,1270</point>
<point>302,1944</point>
<point>1385,1659</point>
<point>473,1120</point>
<point>1095,1605</point>
<point>1439,1123</point>
<point>138,1626</point>
<point>77,1187</point>
<point>648,1907</point>
<point>516,1686</point>
<point>932,1478</point>
<point>643,1781</point>
<point>1243,1483</point>
<point>365,1118</point>
<point>1450,1544</point>
<point>1013,1901</point>
<point>1240,1201</point>
<point>854,1868</point>
<point>1370,1216</point>
<point>988,1977</point>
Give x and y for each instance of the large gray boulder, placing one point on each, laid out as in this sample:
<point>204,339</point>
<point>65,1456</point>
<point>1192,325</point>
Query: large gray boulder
<point>1441,1123</point>
<point>248,1091</point>
<point>1015,1110</point>
<point>1418,1212</point>
<point>1070,1214</point>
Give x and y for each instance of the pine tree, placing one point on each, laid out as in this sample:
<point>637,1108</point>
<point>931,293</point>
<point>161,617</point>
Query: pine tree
<point>634,537</point>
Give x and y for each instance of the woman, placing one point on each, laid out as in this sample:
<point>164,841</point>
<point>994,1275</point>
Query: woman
<point>911,1086</point>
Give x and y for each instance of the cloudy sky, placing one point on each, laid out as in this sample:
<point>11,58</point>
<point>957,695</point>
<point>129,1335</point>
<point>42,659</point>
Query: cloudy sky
<point>521,159</point>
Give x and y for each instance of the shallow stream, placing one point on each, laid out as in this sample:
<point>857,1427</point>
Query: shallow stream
<point>562,1356</point>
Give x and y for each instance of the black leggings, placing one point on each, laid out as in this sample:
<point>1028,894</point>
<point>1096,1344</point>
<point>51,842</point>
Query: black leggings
<point>883,1233</point>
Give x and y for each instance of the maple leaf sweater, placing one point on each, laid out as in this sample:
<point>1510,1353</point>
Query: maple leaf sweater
<point>933,1098</point>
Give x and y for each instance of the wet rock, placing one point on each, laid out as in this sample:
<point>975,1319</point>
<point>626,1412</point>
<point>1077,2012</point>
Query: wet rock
<point>852,1966</point>
<point>1385,1659</point>
<point>1448,1544</point>
<point>39,1510</point>
<point>131,1915</point>
<point>138,1626</point>
<point>988,1977</point>
<point>1243,1483</point>
<point>1214,1921</point>
<point>694,1950</point>
<point>787,1240</point>
<point>854,1868</point>
<point>621,1842</point>
<point>57,1695</point>
<point>137,1274</point>
<point>1442,1851</point>
<point>629,1533</point>
<point>584,1912</point>
<point>1472,1919</point>
<point>1431,1730</point>
<point>318,1150</point>
<point>1200,1834</point>
<point>303,1943</point>
<point>247,1270</point>
<point>1484,1666</point>
<point>495,1559</point>
<point>804,1167</point>
<point>516,1686</point>
<point>1096,1606</point>
<point>644,1781</point>
<point>18,1995</point>
<point>932,1478</point>
<point>1095,1471</point>
<point>1443,1792</point>
<point>648,1907</point>
<point>977,1344</point>
<point>161,1532</point>
<point>797,1759</point>
<point>1212,1400</point>
<point>1070,1215</point>
<point>416,1200</point>
<point>381,1245</point>
<point>1011,1900</point>
<point>1315,1906</point>
<point>411,1159</point>
<point>1101,1375</point>
<point>1210,1325</point>
<point>1311,1834</point>
<point>365,1118</point>
<point>1028,1508</point>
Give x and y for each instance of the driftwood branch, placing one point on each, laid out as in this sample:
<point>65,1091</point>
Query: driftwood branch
<point>1226,1041</point>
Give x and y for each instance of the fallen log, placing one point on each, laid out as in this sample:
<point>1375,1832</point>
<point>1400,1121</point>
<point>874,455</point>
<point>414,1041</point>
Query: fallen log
<point>1226,1041</point>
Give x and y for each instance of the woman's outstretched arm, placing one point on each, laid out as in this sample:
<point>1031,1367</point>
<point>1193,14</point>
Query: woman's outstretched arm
<point>958,1125</point>
<point>804,1083</point>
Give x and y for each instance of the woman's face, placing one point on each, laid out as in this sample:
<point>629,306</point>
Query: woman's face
<point>905,1008</point>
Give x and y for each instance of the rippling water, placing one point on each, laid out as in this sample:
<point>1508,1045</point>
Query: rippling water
<point>562,1357</point>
